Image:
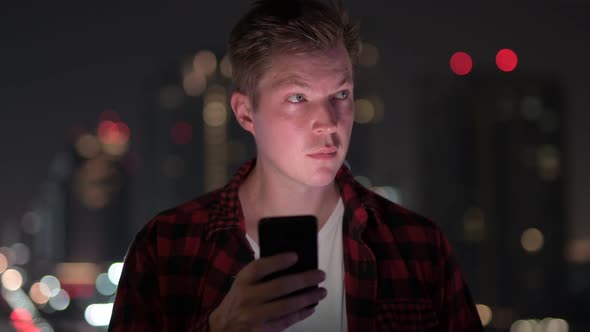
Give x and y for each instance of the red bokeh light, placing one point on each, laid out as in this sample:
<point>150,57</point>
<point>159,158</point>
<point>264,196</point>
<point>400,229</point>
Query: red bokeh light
<point>181,133</point>
<point>461,63</point>
<point>22,320</point>
<point>506,60</point>
<point>110,132</point>
<point>21,314</point>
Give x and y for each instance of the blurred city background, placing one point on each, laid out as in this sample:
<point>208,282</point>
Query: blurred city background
<point>474,114</point>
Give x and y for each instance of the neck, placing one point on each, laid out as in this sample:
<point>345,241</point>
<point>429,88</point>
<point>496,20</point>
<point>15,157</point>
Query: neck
<point>264,195</point>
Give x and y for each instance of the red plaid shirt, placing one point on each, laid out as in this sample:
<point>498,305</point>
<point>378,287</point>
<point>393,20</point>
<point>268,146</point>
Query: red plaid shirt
<point>400,274</point>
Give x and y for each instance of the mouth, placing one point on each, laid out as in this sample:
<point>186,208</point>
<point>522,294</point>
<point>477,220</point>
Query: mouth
<point>326,153</point>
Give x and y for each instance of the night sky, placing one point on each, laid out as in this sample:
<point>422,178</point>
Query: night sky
<point>63,63</point>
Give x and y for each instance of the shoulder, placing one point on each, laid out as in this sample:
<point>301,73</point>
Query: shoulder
<point>187,220</point>
<point>395,215</point>
<point>193,212</point>
<point>396,221</point>
<point>399,234</point>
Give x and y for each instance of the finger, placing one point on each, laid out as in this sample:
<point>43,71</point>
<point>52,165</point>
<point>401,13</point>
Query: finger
<point>286,306</point>
<point>286,321</point>
<point>285,285</point>
<point>262,267</point>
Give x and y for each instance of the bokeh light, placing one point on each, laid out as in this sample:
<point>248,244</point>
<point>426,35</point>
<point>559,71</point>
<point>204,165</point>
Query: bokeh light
<point>548,162</point>
<point>110,132</point>
<point>79,272</point>
<point>369,55</point>
<point>506,60</point>
<point>365,181</point>
<point>22,320</point>
<point>532,240</point>
<point>3,263</point>
<point>461,63</point>
<point>115,150</point>
<point>556,325</point>
<point>87,146</point>
<point>8,253</point>
<point>474,224</point>
<point>52,284</point>
<point>577,251</point>
<point>522,326</point>
<point>225,67</point>
<point>194,83</point>
<point>205,61</point>
<point>389,193</point>
<point>115,137</point>
<point>216,92</point>
<point>115,272</point>
<point>39,293</point>
<point>98,314</point>
<point>22,253</point>
<point>12,279</point>
<point>104,285</point>
<point>485,314</point>
<point>96,182</point>
<point>548,324</point>
<point>364,112</point>
<point>61,301</point>
<point>215,114</point>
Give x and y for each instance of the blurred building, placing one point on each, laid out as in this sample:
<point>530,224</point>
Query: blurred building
<point>87,196</point>
<point>72,233</point>
<point>493,176</point>
<point>190,143</point>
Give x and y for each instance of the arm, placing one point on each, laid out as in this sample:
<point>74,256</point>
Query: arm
<point>137,303</point>
<point>452,297</point>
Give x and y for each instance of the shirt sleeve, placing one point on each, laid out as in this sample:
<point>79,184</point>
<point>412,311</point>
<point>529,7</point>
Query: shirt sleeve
<point>453,300</point>
<point>137,303</point>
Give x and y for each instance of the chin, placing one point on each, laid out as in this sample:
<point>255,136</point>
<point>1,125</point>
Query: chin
<point>321,177</point>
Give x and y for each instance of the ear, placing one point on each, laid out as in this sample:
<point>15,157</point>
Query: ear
<point>242,107</point>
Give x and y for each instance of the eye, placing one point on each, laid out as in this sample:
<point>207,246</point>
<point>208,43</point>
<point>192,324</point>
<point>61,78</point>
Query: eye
<point>342,94</point>
<point>296,98</point>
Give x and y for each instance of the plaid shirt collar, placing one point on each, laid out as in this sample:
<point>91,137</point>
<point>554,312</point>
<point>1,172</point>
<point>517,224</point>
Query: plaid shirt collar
<point>226,213</point>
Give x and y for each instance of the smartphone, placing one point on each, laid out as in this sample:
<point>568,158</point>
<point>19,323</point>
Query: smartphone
<point>297,234</point>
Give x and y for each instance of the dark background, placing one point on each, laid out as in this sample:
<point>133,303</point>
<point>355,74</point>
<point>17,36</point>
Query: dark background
<point>462,150</point>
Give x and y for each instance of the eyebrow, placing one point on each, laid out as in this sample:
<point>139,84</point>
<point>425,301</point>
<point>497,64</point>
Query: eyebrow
<point>298,81</point>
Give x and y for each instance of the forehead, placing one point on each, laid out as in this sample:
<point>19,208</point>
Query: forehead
<point>308,68</point>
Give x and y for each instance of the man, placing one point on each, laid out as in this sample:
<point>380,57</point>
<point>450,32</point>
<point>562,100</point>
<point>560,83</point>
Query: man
<point>382,268</point>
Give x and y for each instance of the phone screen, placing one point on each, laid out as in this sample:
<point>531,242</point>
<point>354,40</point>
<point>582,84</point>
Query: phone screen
<point>290,234</point>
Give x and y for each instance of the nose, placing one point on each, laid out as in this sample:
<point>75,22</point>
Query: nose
<point>325,120</point>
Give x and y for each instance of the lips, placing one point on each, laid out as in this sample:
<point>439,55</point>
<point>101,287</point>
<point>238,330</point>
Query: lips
<point>325,150</point>
<point>324,153</point>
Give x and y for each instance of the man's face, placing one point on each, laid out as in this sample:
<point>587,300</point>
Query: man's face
<point>304,116</point>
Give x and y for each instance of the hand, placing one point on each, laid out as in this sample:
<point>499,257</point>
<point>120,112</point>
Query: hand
<point>251,305</point>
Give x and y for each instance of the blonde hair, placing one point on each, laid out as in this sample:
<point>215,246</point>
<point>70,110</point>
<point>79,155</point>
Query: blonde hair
<point>285,27</point>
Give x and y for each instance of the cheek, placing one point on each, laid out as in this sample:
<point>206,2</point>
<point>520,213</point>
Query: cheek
<point>276,132</point>
<point>347,116</point>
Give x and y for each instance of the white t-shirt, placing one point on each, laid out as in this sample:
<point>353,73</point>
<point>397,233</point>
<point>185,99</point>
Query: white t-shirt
<point>330,313</point>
